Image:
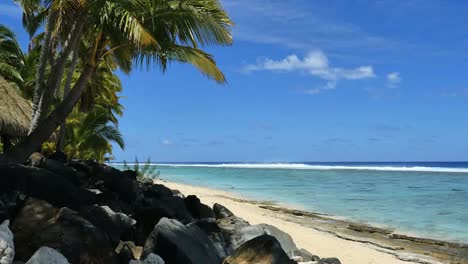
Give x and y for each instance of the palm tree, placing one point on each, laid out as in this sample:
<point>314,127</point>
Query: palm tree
<point>96,113</point>
<point>89,135</point>
<point>11,57</point>
<point>145,32</point>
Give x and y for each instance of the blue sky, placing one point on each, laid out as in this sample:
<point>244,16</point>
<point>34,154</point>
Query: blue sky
<point>309,80</point>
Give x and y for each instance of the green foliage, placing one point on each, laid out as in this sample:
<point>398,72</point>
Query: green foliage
<point>107,36</point>
<point>146,170</point>
<point>11,57</point>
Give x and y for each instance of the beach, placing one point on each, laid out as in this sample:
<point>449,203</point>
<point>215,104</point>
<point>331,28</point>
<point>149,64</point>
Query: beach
<point>326,236</point>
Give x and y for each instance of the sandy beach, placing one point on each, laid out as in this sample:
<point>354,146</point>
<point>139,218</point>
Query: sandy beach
<point>323,239</point>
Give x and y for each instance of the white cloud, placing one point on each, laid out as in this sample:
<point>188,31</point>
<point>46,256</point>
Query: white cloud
<point>316,63</point>
<point>300,26</point>
<point>313,91</point>
<point>166,142</point>
<point>393,79</point>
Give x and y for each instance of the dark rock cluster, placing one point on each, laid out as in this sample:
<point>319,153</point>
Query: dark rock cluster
<point>59,211</point>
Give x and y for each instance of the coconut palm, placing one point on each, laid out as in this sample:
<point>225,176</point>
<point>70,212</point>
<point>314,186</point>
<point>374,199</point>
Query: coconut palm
<point>11,57</point>
<point>96,113</point>
<point>89,136</point>
<point>141,32</point>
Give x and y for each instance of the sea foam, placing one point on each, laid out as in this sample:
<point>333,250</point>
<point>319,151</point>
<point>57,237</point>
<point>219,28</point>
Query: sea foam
<point>300,166</point>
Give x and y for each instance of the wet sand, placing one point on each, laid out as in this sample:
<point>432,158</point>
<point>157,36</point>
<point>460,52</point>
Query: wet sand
<point>325,236</point>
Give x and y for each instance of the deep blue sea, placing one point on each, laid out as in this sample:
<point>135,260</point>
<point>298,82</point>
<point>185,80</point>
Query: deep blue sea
<point>427,199</point>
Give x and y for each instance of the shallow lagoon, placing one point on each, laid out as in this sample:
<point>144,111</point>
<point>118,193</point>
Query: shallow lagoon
<point>418,199</point>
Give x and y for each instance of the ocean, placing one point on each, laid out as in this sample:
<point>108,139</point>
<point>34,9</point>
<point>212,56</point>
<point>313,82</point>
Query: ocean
<point>425,199</point>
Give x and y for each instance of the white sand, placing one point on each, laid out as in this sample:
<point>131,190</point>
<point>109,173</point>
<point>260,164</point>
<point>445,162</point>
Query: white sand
<point>317,242</point>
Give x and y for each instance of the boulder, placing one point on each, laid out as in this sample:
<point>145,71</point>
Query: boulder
<point>180,244</point>
<point>178,193</point>
<point>237,234</point>
<point>128,247</point>
<point>41,224</point>
<point>59,156</point>
<point>150,259</point>
<point>221,211</point>
<point>35,159</point>
<point>114,224</point>
<point>263,249</point>
<point>10,204</point>
<point>156,190</point>
<point>44,185</point>
<point>119,182</point>
<point>197,209</point>
<point>150,210</point>
<point>131,174</point>
<point>47,255</point>
<point>34,214</point>
<point>237,231</point>
<point>212,230</point>
<point>59,168</point>
<point>125,254</point>
<point>87,167</point>
<point>7,248</point>
<point>305,255</point>
<point>329,261</point>
<point>283,238</point>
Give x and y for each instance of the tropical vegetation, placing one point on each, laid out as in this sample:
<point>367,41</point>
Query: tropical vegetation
<point>76,48</point>
<point>145,170</point>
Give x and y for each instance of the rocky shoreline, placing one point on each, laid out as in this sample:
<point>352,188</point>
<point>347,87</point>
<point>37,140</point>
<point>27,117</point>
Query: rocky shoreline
<point>402,246</point>
<point>58,211</point>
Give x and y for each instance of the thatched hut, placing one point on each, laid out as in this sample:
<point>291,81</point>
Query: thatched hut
<point>15,114</point>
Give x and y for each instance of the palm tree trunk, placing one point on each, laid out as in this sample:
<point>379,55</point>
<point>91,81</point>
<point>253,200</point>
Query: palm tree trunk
<point>56,75</point>
<point>32,142</point>
<point>66,89</point>
<point>40,75</point>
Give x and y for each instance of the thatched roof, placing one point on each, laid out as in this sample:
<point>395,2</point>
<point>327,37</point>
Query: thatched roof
<point>15,111</point>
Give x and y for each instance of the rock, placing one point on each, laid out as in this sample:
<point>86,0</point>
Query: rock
<point>178,193</point>
<point>35,159</point>
<point>197,209</point>
<point>157,191</point>
<point>180,244</point>
<point>119,182</point>
<point>129,245</point>
<point>212,230</point>
<point>44,185</point>
<point>7,248</point>
<point>284,238</point>
<point>88,167</point>
<point>10,204</point>
<point>131,174</point>
<point>298,259</point>
<point>114,224</point>
<point>47,255</point>
<point>263,249</point>
<point>40,224</point>
<point>58,156</point>
<point>237,231</point>
<point>305,255</point>
<point>125,254</point>
<point>150,259</point>
<point>34,214</point>
<point>244,234</point>
<point>59,168</point>
<point>150,210</point>
<point>221,211</point>
<point>329,261</point>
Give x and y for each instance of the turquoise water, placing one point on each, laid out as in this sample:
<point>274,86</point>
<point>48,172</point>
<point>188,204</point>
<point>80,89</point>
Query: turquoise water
<point>418,200</point>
